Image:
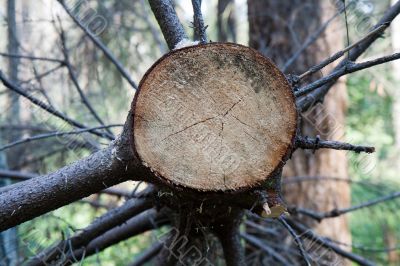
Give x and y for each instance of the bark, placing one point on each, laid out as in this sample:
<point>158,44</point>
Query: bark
<point>278,29</point>
<point>169,23</point>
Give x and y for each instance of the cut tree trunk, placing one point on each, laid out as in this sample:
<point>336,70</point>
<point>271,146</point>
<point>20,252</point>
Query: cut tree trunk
<point>215,117</point>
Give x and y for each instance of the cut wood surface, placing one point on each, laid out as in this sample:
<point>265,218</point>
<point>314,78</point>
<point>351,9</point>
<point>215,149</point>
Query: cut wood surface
<point>214,117</point>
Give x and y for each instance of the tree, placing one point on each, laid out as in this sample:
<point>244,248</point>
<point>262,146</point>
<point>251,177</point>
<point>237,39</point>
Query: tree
<point>211,156</point>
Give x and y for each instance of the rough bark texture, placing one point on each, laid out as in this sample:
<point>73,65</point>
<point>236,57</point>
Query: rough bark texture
<point>278,28</point>
<point>214,117</point>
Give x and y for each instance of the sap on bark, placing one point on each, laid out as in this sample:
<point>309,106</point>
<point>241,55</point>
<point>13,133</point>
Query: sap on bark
<point>214,117</point>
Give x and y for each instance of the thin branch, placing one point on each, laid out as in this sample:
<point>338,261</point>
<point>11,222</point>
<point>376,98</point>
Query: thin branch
<point>315,96</point>
<point>113,165</point>
<point>45,106</point>
<point>139,224</point>
<point>168,21</point>
<point>199,28</point>
<point>310,40</point>
<point>148,254</point>
<point>298,241</point>
<point>53,134</point>
<point>32,57</point>
<point>261,245</point>
<point>375,32</point>
<point>101,225</point>
<point>314,144</point>
<point>350,67</point>
<point>42,75</point>
<point>101,46</point>
<point>307,233</point>
<point>16,174</point>
<point>319,216</point>
<point>74,80</point>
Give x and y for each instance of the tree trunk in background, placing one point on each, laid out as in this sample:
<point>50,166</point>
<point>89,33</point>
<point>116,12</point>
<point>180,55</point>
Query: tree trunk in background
<point>9,238</point>
<point>277,29</point>
<point>226,21</point>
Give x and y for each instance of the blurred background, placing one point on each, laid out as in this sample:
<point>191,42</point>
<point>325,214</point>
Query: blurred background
<point>363,109</point>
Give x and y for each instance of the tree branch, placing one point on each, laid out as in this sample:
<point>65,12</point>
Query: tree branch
<point>101,46</point>
<point>145,221</point>
<point>101,225</point>
<point>26,200</point>
<point>350,67</point>
<point>298,241</point>
<point>307,233</point>
<point>312,98</point>
<point>53,134</point>
<point>319,216</point>
<point>169,22</point>
<point>148,254</point>
<point>46,107</point>
<point>314,144</point>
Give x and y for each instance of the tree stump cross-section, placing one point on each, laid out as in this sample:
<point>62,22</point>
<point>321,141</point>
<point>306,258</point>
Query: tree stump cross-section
<point>214,117</point>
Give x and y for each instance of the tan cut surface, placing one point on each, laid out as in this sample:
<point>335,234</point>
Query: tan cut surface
<point>214,117</point>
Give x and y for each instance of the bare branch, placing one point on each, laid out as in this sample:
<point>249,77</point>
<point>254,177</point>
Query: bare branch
<point>34,197</point>
<point>53,134</point>
<point>45,106</point>
<point>101,225</point>
<point>101,46</point>
<point>141,223</point>
<point>319,216</point>
<point>307,233</point>
<point>261,245</point>
<point>350,67</point>
<point>169,22</point>
<point>74,80</point>
<point>310,40</point>
<point>312,98</point>
<point>373,33</point>
<point>314,144</point>
<point>148,254</point>
<point>54,60</point>
<point>298,241</point>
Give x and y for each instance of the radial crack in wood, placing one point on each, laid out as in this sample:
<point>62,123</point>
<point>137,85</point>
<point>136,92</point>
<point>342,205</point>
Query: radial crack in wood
<point>214,117</point>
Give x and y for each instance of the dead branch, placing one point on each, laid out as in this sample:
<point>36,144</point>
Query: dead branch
<point>314,144</point>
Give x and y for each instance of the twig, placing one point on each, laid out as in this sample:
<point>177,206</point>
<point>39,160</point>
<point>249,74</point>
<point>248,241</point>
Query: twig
<point>101,225</point>
<point>148,254</point>
<point>53,134</point>
<point>307,233</point>
<point>310,40</point>
<point>298,241</point>
<point>315,96</point>
<point>339,54</point>
<point>168,21</point>
<point>46,107</point>
<point>309,143</point>
<point>337,212</point>
<point>74,80</point>
<point>261,245</point>
<point>199,28</point>
<point>101,46</point>
<point>350,67</point>
<point>32,57</point>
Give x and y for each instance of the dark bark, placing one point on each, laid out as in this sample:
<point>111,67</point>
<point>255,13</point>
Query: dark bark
<point>169,22</point>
